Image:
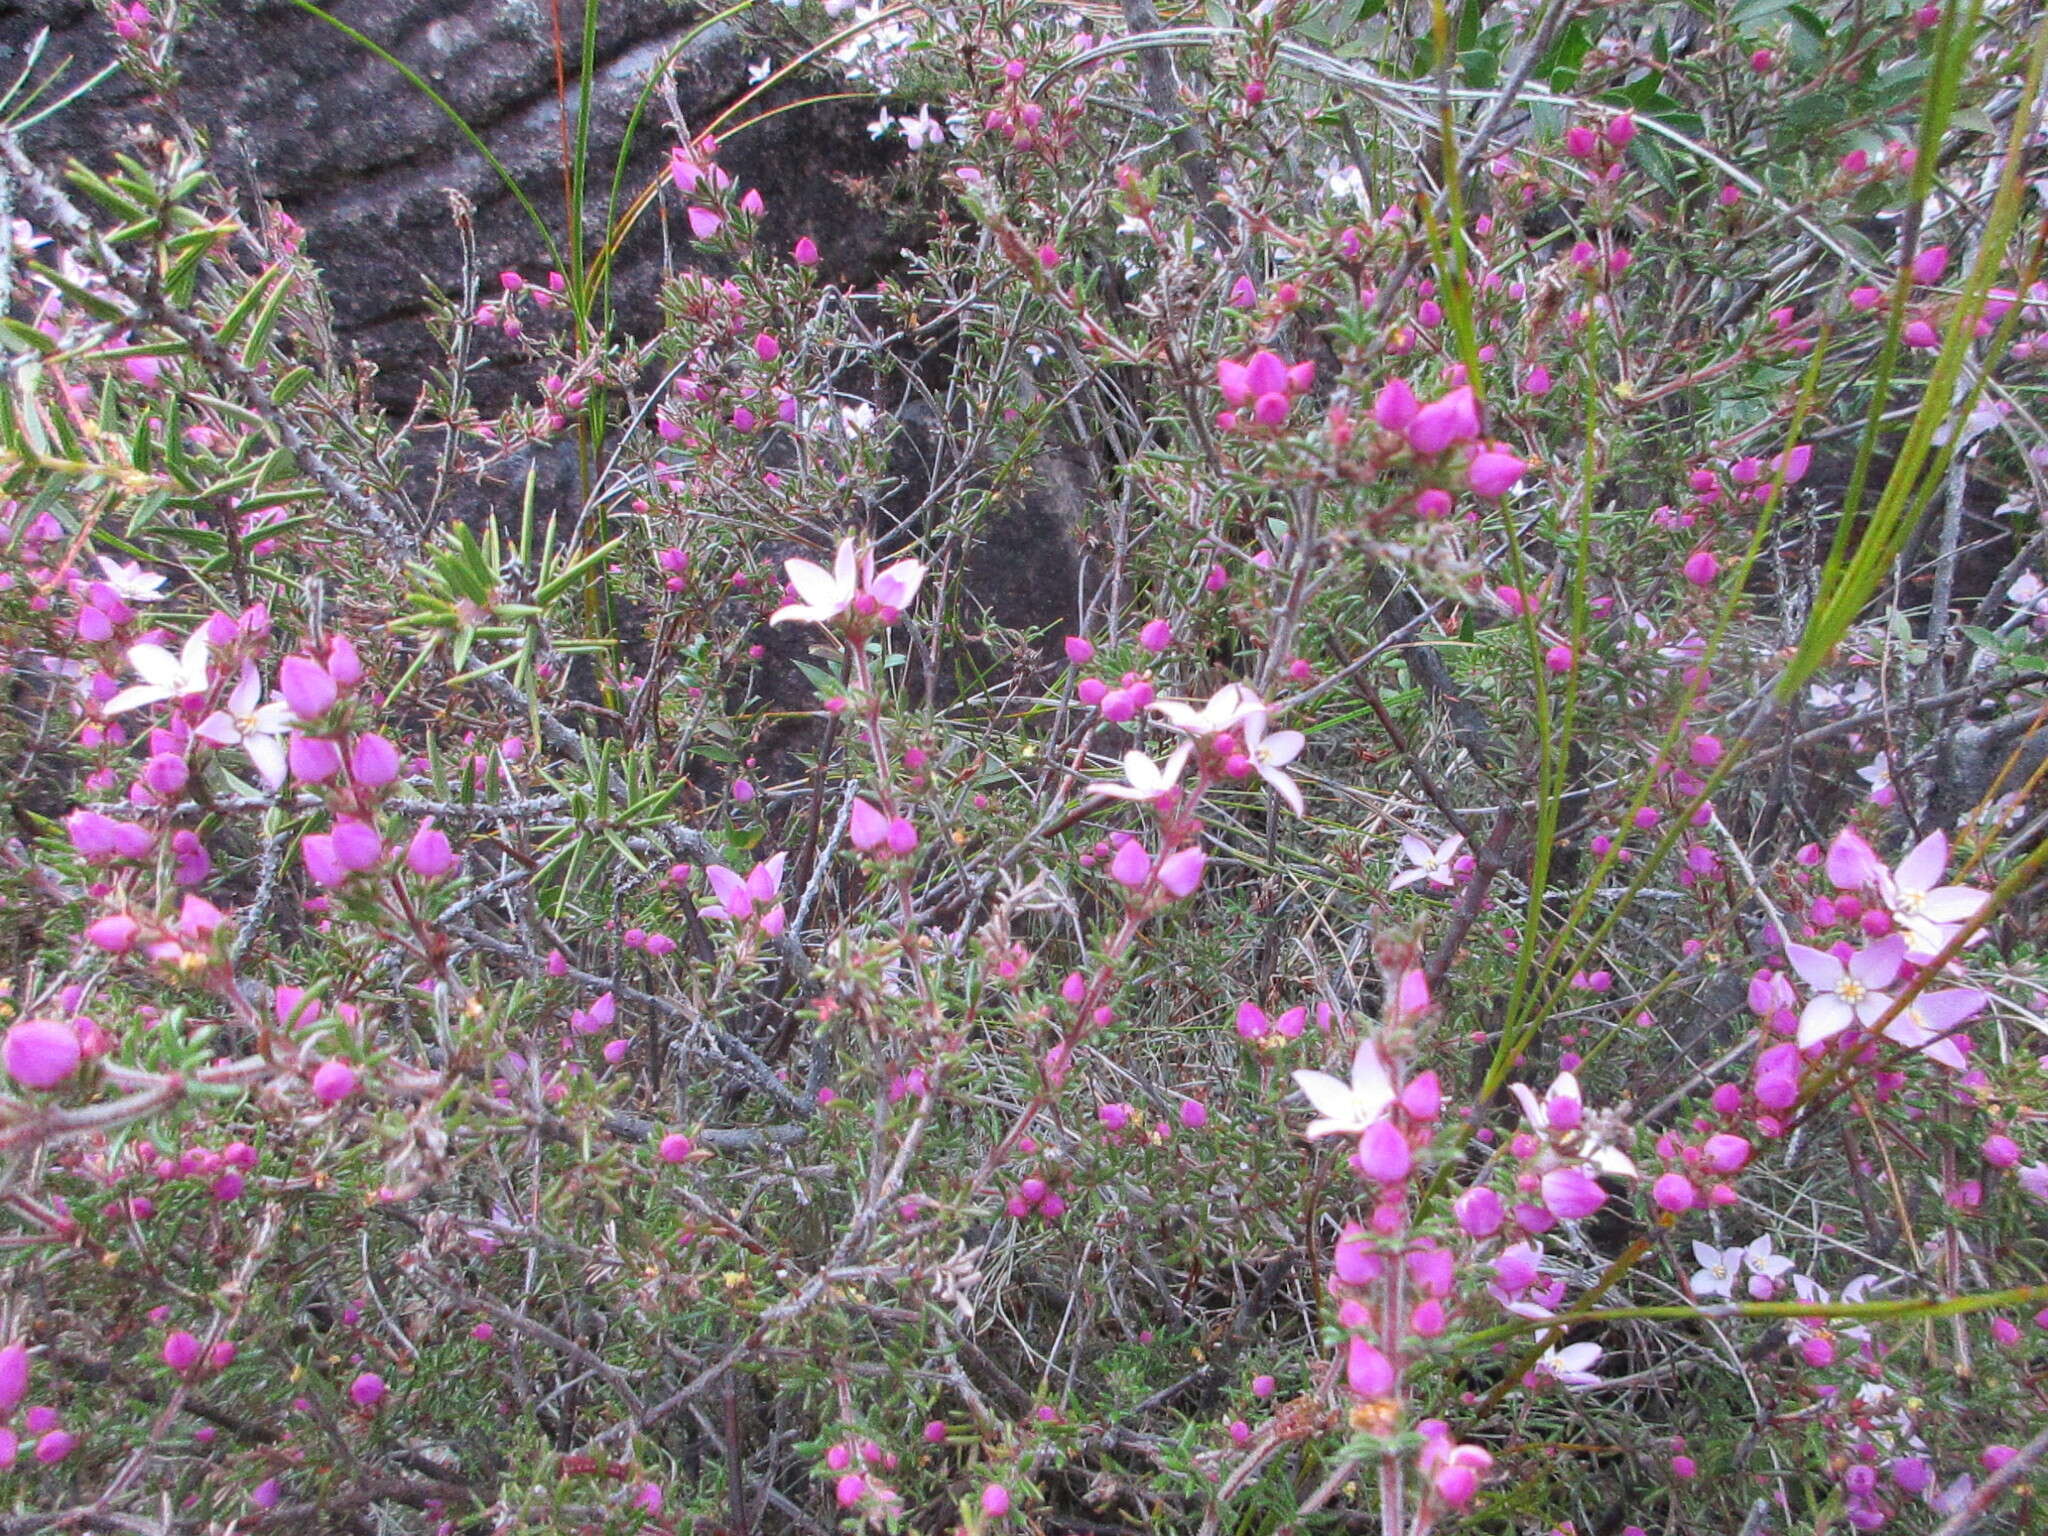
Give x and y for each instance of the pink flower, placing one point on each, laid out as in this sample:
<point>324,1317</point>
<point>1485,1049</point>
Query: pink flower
<point>1572,1365</point>
<point>1845,995</point>
<point>1924,1024</point>
<point>1270,756</point>
<point>739,896</point>
<point>41,1053</point>
<point>1441,423</point>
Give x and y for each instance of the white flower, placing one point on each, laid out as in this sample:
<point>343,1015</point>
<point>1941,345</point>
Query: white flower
<point>164,676</point>
<point>1572,1365</point>
<point>857,419</point>
<point>1145,779</point>
<point>130,582</point>
<point>1228,707</point>
<point>1346,181</point>
<point>879,128</point>
<point>1427,863</point>
<point>756,73</point>
<point>1270,755</point>
<point>258,728</point>
<point>1717,1271</point>
<point>923,130</point>
<point>1561,1118</point>
<point>1349,1109</point>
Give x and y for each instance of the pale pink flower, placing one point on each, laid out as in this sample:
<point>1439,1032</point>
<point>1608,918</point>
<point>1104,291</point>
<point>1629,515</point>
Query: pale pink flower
<point>739,896</point>
<point>1349,1109</point>
<point>1270,755</point>
<point>1930,914</point>
<point>132,584</point>
<point>1427,863</point>
<point>165,676</point>
<point>1924,1023</point>
<point>1718,1269</point>
<point>1145,780</point>
<point>258,728</point>
<point>1228,707</point>
<point>1571,1365</point>
<point>1845,995</point>
<point>825,595</point>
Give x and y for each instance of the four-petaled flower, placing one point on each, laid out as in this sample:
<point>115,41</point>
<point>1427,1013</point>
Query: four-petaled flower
<point>740,895</point>
<point>1571,1365</point>
<point>258,728</point>
<point>164,676</point>
<point>1427,863</point>
<point>1228,707</point>
<point>1845,995</point>
<point>130,582</point>
<point>1270,755</point>
<point>1923,1025</point>
<point>1717,1271</point>
<point>1143,778</point>
<point>1928,912</point>
<point>852,583</point>
<point>1353,1108</point>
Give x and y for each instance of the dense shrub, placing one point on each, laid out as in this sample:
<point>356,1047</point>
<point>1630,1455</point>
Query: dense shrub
<point>1330,823</point>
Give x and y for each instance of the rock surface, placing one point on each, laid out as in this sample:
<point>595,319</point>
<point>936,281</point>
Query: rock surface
<point>300,113</point>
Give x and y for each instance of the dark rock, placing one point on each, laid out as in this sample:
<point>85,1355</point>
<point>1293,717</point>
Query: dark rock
<point>300,113</point>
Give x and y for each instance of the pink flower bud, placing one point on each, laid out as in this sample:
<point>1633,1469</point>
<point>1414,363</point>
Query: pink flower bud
<point>1479,1212</point>
<point>307,687</point>
<point>1181,871</point>
<point>1395,406</point>
<point>357,847</point>
<point>995,1501</point>
<point>313,759</point>
<point>373,762</point>
<point>1674,1192</point>
<point>1132,866</point>
<point>429,854</point>
<point>1383,1153</point>
<point>1571,1194</point>
<point>181,1351</point>
<point>1367,1372</point>
<point>1494,474</point>
<point>806,252</point>
<point>1701,568</point>
<point>334,1081</point>
<point>1930,264</point>
<point>13,1376</point>
<point>41,1053</point>
<point>367,1390</point>
<point>1156,636</point>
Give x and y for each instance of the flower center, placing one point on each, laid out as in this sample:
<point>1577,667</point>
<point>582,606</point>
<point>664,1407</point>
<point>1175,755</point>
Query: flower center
<point>1850,990</point>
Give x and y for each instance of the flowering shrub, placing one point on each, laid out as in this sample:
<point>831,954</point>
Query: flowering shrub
<point>1475,966</point>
